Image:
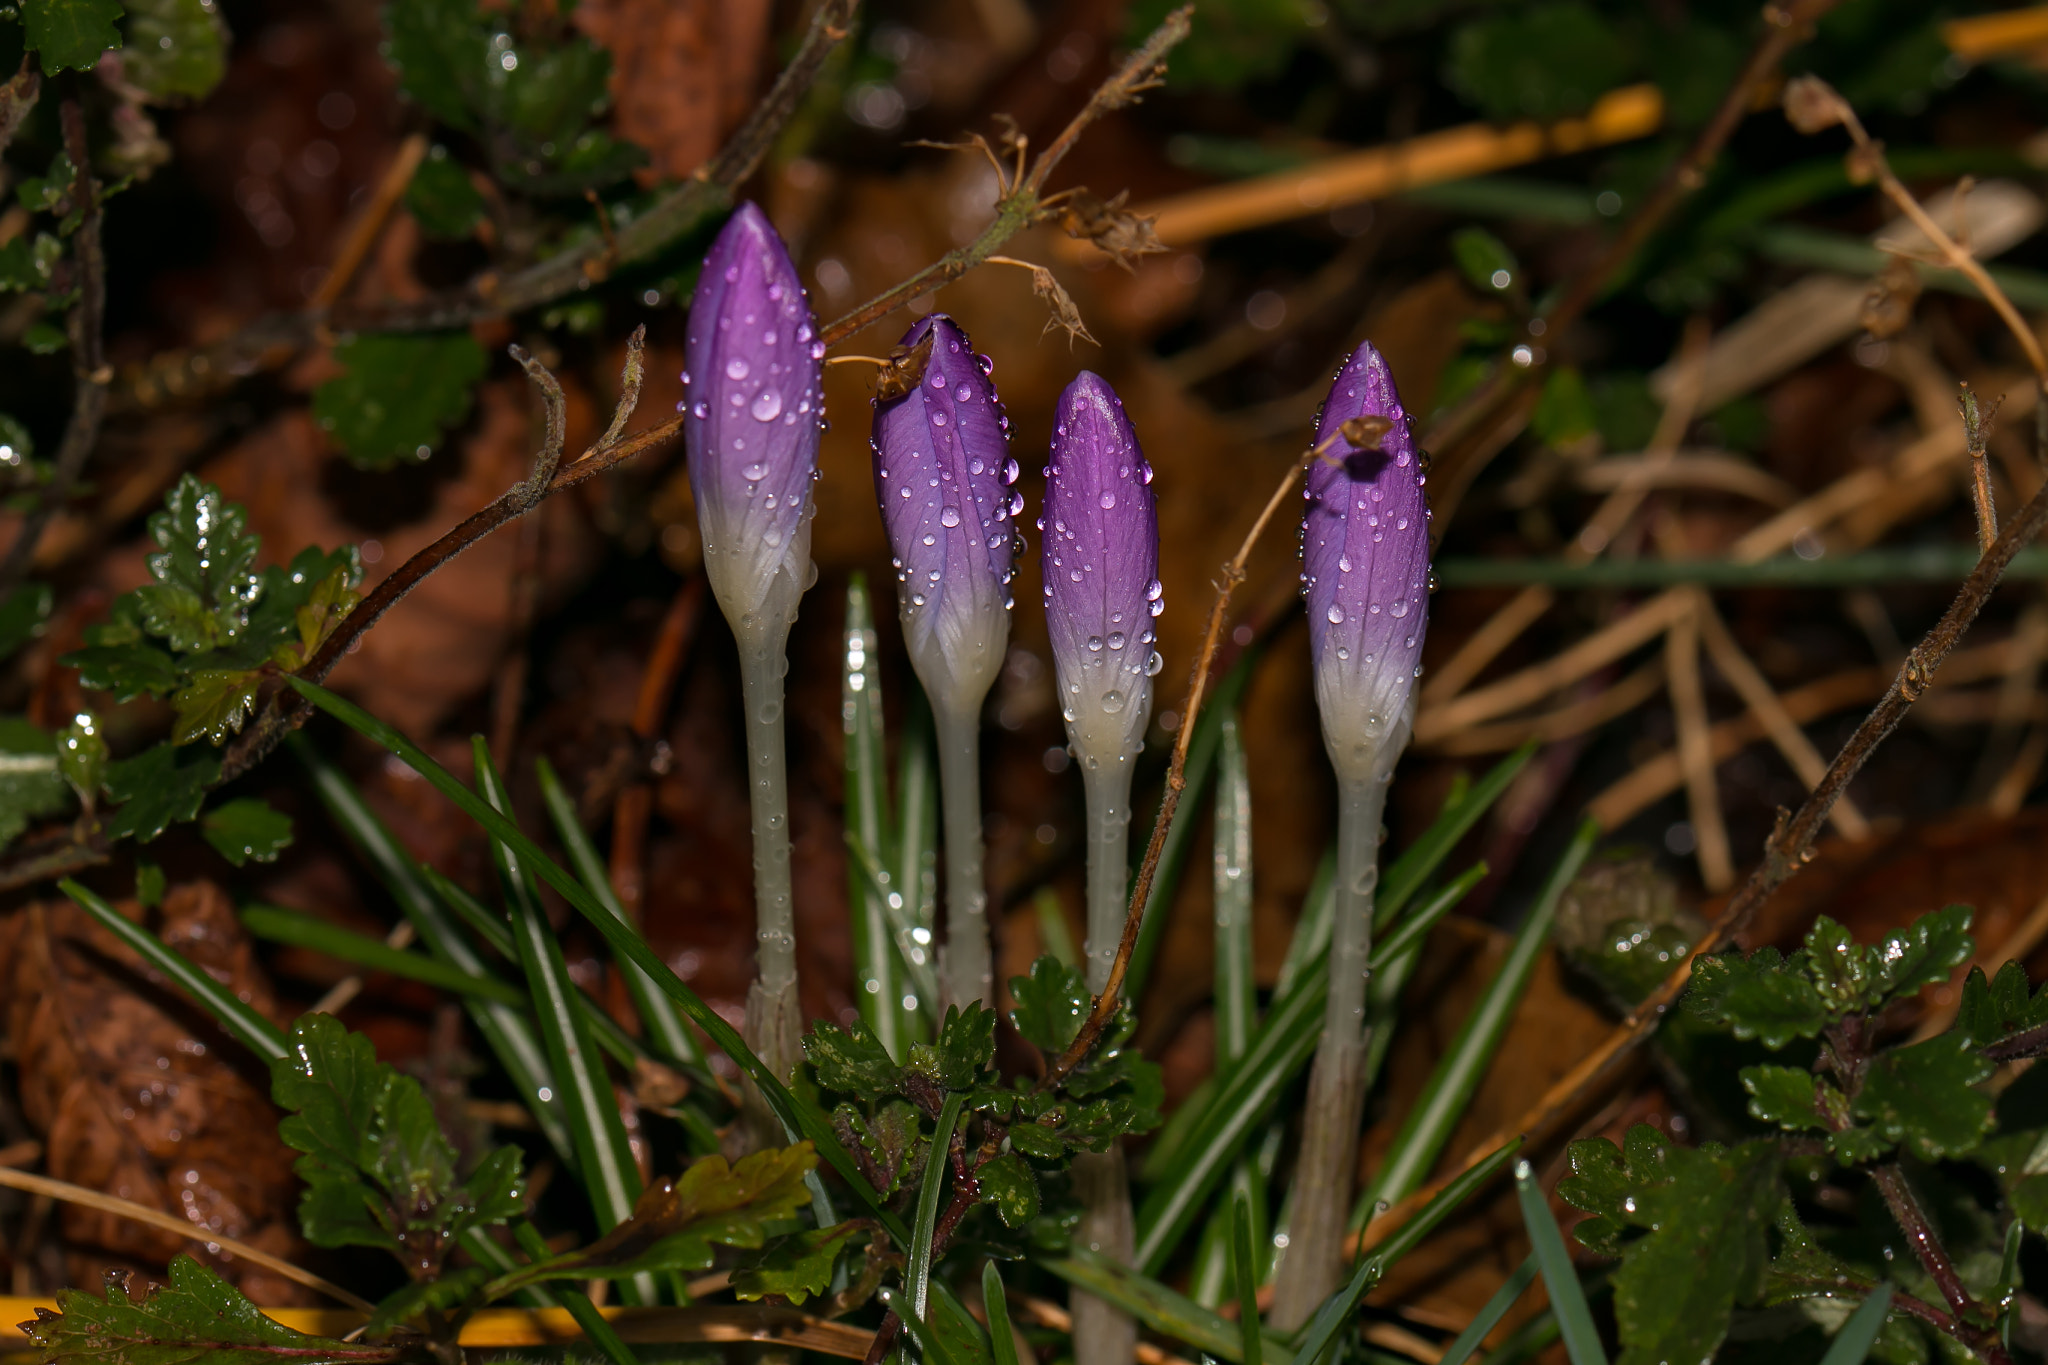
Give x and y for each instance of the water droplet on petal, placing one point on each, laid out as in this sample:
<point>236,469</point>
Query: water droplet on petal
<point>1113,701</point>
<point>756,470</point>
<point>1336,614</point>
<point>949,517</point>
<point>767,406</point>
<point>1116,639</point>
<point>1154,664</point>
<point>1095,644</point>
<point>736,368</point>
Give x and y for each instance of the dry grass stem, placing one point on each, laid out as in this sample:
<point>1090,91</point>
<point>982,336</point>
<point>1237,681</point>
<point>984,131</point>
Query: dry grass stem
<point>369,223</point>
<point>1575,718</point>
<point>346,989</point>
<point>2016,781</point>
<point>68,1193</point>
<point>1695,750</point>
<point>1046,1313</point>
<point>1763,703</point>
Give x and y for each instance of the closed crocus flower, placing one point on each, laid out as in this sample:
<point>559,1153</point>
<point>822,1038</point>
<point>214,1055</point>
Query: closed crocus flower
<point>754,400</point>
<point>754,405</point>
<point>943,473</point>
<point>1365,575</point>
<point>1101,565</point>
<point>1365,567</point>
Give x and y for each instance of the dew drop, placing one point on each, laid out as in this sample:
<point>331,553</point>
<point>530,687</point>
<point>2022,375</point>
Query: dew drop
<point>1113,701</point>
<point>1154,664</point>
<point>949,517</point>
<point>1116,639</point>
<point>702,411</point>
<point>1336,614</point>
<point>1107,501</point>
<point>1398,607</point>
<point>756,470</point>
<point>963,393</point>
<point>767,406</point>
<point>1095,644</point>
<point>930,539</point>
<point>736,368</point>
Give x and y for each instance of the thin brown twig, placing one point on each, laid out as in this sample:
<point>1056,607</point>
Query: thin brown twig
<point>1176,781</point>
<point>182,1227</point>
<point>635,803</point>
<point>369,224</point>
<point>1976,438</point>
<point>90,373</point>
<point>1695,751</point>
<point>18,97</point>
<point>1021,201</point>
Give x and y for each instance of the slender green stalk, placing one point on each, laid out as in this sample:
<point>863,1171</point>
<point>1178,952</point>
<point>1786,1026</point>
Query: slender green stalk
<point>1852,1344</point>
<point>1243,1271</point>
<point>658,1016</point>
<point>1329,1143</point>
<point>1105,1334</point>
<point>304,931</point>
<point>595,1327</point>
<point>878,986</point>
<point>913,876</point>
<point>917,1277</point>
<point>967,967</point>
<point>1002,1341</point>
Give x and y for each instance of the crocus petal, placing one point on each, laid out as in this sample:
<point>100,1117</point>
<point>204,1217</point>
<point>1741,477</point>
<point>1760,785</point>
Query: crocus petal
<point>942,474</point>
<point>1101,567</point>
<point>1365,571</point>
<point>755,405</point>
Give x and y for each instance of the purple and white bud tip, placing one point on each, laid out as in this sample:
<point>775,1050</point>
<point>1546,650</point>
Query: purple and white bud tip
<point>943,475</point>
<point>1365,569</point>
<point>1101,566</point>
<point>754,403</point>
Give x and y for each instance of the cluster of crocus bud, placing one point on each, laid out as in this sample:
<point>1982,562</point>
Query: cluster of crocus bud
<point>1365,568</point>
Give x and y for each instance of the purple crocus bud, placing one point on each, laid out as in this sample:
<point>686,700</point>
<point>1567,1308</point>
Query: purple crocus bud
<point>754,396</point>
<point>1101,566</point>
<point>943,473</point>
<point>1365,569</point>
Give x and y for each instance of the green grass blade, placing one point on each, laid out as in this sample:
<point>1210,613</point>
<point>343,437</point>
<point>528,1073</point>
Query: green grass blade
<point>505,1030</point>
<point>1247,1090</point>
<point>1173,854</point>
<point>798,1115</point>
<point>1338,1309</point>
<point>1236,993</point>
<point>1054,936</point>
<point>603,1158</point>
<point>1560,1276</point>
<point>1409,934</point>
<point>1460,1351</point>
<point>301,930</point>
<point>1852,1344</point>
<point>994,1302</point>
<point>1247,1277</point>
<point>1459,814</point>
<point>1311,939</point>
<point>600,1333</point>
<point>913,866</point>
<point>918,1274</point>
<point>1449,1092</point>
<point>250,1028</point>
<point>1159,1307</point>
<point>921,976</point>
<point>930,1345</point>
<point>664,1027</point>
<point>877,971</point>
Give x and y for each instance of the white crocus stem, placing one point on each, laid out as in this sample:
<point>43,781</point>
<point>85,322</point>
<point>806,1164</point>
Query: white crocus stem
<point>774,1022</point>
<point>968,967</point>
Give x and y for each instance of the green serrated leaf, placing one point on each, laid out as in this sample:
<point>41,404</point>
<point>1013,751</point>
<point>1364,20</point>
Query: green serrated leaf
<point>82,756</point>
<point>1857,1146</point>
<point>1758,997</point>
<point>32,785</point>
<point>1783,1095</point>
<point>127,671</point>
<point>1009,1183</point>
<point>71,34</point>
<point>1039,1141</point>
<point>442,199</point>
<point>214,704</point>
<point>376,1165</point>
<point>158,788</point>
<point>676,1222</point>
<point>203,569</point>
<point>25,609</point>
<point>398,392</point>
<point>176,49</point>
<point>966,1047</point>
<point>439,52</point>
<point>798,1266</point>
<point>1922,1096</point>
<point>247,829</point>
<point>851,1060</point>
<point>892,1139</point>
<point>1051,1004</point>
<point>197,1319</point>
<point>1923,953</point>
